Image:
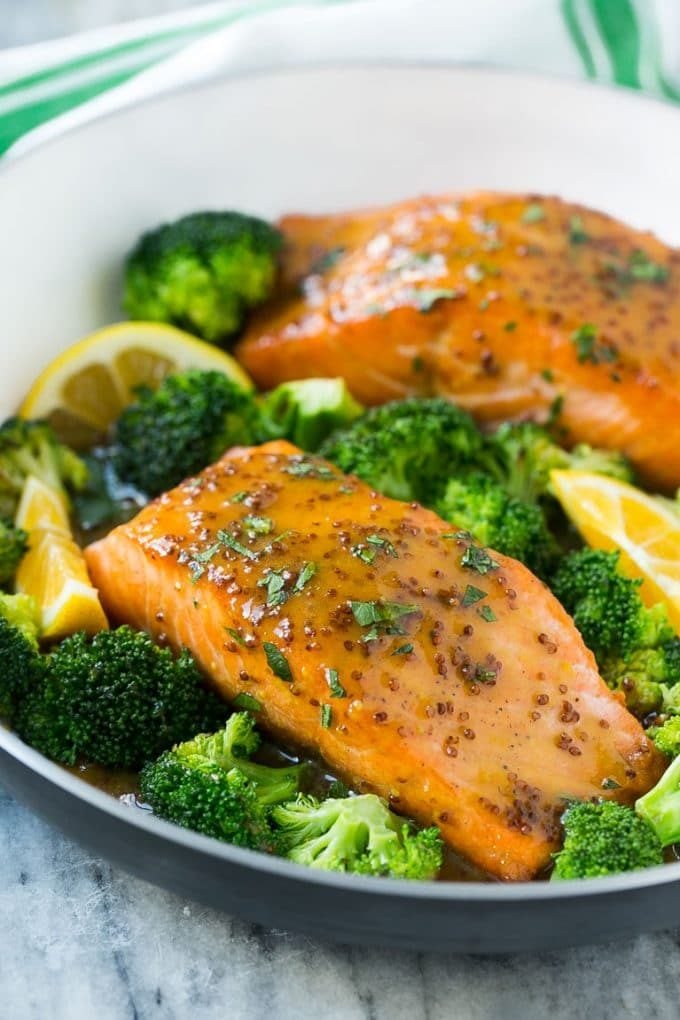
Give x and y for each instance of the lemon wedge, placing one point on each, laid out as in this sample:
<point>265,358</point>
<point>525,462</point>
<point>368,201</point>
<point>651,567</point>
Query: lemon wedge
<point>53,571</point>
<point>87,386</point>
<point>611,514</point>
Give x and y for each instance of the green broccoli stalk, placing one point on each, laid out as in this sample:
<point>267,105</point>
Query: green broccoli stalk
<point>476,503</point>
<point>31,448</point>
<point>116,699</point>
<point>308,410</point>
<point>407,449</point>
<point>521,457</point>
<point>636,647</point>
<point>202,272</point>
<point>186,424</point>
<point>604,839</point>
<point>209,784</point>
<point>358,834</point>
<point>232,748</point>
<point>660,808</point>
<point>21,663</point>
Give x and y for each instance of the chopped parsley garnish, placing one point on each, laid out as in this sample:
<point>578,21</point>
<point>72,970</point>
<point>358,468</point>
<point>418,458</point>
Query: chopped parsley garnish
<point>326,716</point>
<point>304,577</point>
<point>418,364</point>
<point>235,635</point>
<point>383,543</point>
<point>485,675</point>
<point>275,584</point>
<point>381,617</point>
<point>403,649</point>
<point>547,374</point>
<point>577,233</point>
<point>247,702</point>
<point>239,497</point>
<point>258,525</point>
<point>334,685</point>
<point>589,348</point>
<point>425,299</point>
<point>378,543</point>
<point>477,558</point>
<point>234,544</point>
<point>510,327</point>
<point>302,467</point>
<point>610,784</point>
<point>487,613</point>
<point>641,267</point>
<point>363,554</point>
<point>472,595</point>
<point>277,662</point>
<point>533,213</point>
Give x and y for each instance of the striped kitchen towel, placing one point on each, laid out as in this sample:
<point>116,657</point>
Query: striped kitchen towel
<point>50,87</point>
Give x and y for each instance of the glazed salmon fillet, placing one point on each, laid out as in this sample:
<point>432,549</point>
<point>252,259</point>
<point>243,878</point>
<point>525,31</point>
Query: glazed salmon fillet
<point>516,307</point>
<point>416,664</point>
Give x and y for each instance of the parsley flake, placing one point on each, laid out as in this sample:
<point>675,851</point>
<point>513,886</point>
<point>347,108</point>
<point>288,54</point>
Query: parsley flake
<point>641,267</point>
<point>326,716</point>
<point>577,233</point>
<point>477,558</point>
<point>275,583</point>
<point>589,348</point>
<point>403,649</point>
<point>247,702</point>
<point>239,497</point>
<point>383,543</point>
<point>533,213</point>
<point>304,577</point>
<point>381,618</point>
<point>334,685</point>
<point>472,595</point>
<point>277,662</point>
<point>487,613</point>
<point>303,467</point>
<point>233,543</point>
<point>235,635</point>
<point>258,525</point>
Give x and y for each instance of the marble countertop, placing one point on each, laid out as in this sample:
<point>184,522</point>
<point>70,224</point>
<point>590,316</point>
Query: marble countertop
<point>81,939</point>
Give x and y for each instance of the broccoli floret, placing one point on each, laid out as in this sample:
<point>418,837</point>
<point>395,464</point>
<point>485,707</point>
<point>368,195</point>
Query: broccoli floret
<point>308,410</point>
<point>202,272</point>
<point>21,663</point>
<point>636,647</point>
<point>604,839</point>
<point>667,736</point>
<point>220,804</point>
<point>209,784</point>
<point>13,545</point>
<point>407,449</point>
<point>661,806</point>
<point>231,748</point>
<point>31,448</point>
<point>521,457</point>
<point>358,834</point>
<point>478,504</point>
<point>186,424</point>
<point>116,699</point>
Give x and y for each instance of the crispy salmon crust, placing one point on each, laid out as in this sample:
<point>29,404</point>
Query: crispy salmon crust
<point>515,306</point>
<point>418,665</point>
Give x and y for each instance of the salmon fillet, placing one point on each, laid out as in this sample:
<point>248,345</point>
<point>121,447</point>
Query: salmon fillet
<point>416,664</point>
<point>514,306</point>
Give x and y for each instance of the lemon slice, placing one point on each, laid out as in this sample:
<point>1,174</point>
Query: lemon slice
<point>614,515</point>
<point>41,508</point>
<point>87,386</point>
<point>53,571</point>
